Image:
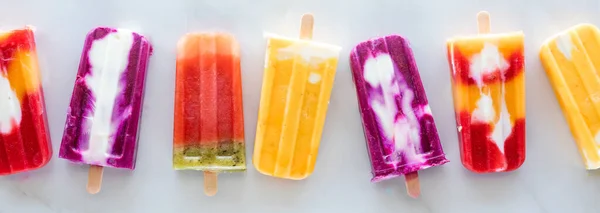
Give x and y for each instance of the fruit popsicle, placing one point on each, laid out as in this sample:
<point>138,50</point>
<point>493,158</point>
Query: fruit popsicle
<point>399,128</point>
<point>24,137</point>
<point>209,119</point>
<point>488,86</point>
<point>571,60</point>
<point>103,118</point>
<point>295,94</point>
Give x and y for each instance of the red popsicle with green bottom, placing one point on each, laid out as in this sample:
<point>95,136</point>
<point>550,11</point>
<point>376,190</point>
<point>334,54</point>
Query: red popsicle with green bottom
<point>209,120</point>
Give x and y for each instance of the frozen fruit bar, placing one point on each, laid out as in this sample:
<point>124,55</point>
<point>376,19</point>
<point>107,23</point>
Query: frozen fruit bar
<point>209,119</point>
<point>295,94</point>
<point>488,85</point>
<point>572,63</point>
<point>399,128</point>
<point>106,106</point>
<point>24,137</point>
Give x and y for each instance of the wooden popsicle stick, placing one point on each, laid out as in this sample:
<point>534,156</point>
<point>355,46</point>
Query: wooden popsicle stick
<point>210,183</point>
<point>306,26</point>
<point>413,187</point>
<point>94,179</point>
<point>483,22</point>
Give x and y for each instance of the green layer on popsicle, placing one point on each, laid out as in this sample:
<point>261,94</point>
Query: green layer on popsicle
<point>227,156</point>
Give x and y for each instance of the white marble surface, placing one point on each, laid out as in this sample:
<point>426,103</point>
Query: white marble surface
<point>552,180</point>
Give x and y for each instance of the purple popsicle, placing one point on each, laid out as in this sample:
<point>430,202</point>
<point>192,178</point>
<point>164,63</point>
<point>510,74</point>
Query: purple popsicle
<point>397,121</point>
<point>104,115</point>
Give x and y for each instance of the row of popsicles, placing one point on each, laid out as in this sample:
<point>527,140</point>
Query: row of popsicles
<point>488,86</point>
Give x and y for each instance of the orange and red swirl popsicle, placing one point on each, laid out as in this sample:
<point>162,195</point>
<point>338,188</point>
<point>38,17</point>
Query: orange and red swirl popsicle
<point>24,137</point>
<point>488,84</point>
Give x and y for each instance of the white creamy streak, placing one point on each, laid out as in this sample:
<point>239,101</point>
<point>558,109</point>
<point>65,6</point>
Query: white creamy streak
<point>565,45</point>
<point>307,51</point>
<point>488,61</point>
<point>485,110</point>
<point>10,108</point>
<point>503,127</point>
<point>379,71</point>
<point>314,78</point>
<point>108,58</point>
<point>597,138</point>
<point>404,131</point>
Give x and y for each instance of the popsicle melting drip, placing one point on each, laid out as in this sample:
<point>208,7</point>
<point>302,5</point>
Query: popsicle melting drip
<point>104,115</point>
<point>24,137</point>
<point>209,120</point>
<point>570,59</point>
<point>398,124</point>
<point>488,88</point>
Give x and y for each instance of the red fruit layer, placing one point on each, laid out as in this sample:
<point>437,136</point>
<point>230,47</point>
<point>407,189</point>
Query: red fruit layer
<point>208,108</point>
<point>17,40</point>
<point>463,63</point>
<point>480,154</point>
<point>26,147</point>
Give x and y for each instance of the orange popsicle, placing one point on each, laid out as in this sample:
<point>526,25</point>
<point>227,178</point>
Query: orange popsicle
<point>296,88</point>
<point>572,63</point>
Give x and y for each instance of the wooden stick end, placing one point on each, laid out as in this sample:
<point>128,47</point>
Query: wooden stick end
<point>95,179</point>
<point>483,22</point>
<point>413,187</point>
<point>210,183</point>
<point>306,26</point>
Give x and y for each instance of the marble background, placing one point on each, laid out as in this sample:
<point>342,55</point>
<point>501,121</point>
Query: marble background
<point>552,180</point>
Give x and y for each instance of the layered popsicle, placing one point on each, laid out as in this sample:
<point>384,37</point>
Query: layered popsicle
<point>488,86</point>
<point>399,128</point>
<point>209,119</point>
<point>104,115</point>
<point>24,137</point>
<point>572,62</point>
<point>297,84</point>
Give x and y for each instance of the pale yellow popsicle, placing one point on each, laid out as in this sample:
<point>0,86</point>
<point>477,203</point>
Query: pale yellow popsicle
<point>297,84</point>
<point>572,62</point>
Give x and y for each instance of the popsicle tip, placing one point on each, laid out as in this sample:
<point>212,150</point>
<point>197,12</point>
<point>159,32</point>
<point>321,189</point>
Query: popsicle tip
<point>483,21</point>
<point>306,26</point>
<point>210,183</point>
<point>30,27</point>
<point>94,179</point>
<point>307,16</point>
<point>93,190</point>
<point>413,187</point>
<point>483,13</point>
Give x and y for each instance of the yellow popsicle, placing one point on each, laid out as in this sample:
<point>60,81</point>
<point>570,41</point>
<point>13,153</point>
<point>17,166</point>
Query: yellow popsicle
<point>297,84</point>
<point>572,63</point>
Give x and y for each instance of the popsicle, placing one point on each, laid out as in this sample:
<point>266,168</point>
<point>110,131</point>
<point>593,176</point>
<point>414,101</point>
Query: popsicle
<point>103,118</point>
<point>24,137</point>
<point>209,118</point>
<point>399,128</point>
<point>571,59</point>
<point>488,86</point>
<point>297,84</point>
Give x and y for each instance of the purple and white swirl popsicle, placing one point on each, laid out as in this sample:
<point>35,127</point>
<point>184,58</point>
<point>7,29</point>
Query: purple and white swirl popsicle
<point>398,124</point>
<point>104,115</point>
